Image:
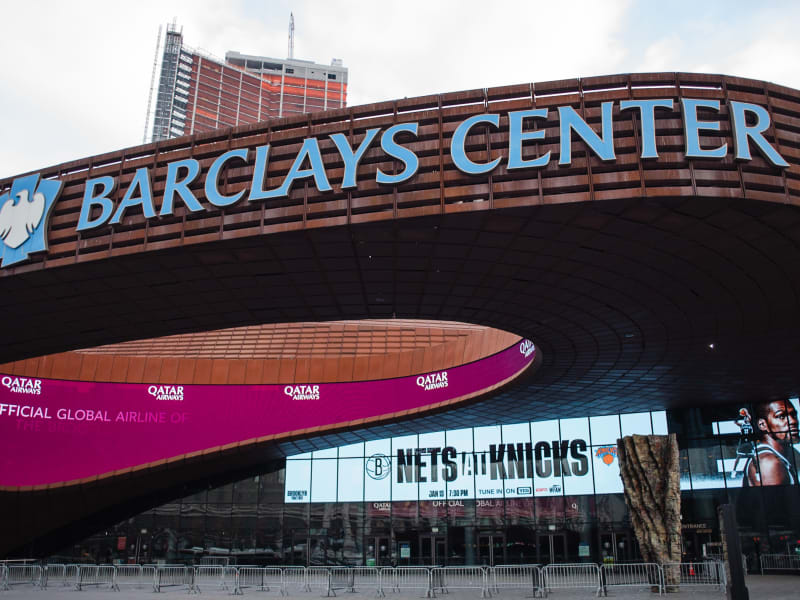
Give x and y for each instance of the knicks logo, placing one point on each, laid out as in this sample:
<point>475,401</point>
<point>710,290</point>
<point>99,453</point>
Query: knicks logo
<point>24,213</point>
<point>606,453</point>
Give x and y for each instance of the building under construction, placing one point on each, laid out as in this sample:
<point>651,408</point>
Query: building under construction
<point>197,92</point>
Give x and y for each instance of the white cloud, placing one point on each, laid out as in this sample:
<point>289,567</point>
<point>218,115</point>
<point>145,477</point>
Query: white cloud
<point>76,74</point>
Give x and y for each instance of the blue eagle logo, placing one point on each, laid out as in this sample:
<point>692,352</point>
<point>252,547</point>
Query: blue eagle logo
<point>24,215</point>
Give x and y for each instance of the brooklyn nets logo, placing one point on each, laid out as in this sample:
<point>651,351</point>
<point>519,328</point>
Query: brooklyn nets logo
<point>24,213</point>
<point>378,466</point>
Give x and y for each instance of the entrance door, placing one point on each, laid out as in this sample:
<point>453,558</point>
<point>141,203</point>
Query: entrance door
<point>551,548</point>
<point>491,549</point>
<point>378,550</point>
<point>617,546</point>
<point>433,549</point>
<point>309,550</point>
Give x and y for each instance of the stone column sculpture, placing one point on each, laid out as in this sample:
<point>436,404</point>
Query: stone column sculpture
<point>648,465</point>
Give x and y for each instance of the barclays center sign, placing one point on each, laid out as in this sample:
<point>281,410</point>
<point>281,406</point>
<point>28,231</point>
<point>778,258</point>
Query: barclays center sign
<point>25,208</point>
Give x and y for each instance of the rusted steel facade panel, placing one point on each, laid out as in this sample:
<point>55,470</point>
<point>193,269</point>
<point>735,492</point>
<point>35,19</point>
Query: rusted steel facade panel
<point>438,187</point>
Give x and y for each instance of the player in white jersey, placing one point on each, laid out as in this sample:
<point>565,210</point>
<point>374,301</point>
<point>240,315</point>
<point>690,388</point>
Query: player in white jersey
<point>776,424</point>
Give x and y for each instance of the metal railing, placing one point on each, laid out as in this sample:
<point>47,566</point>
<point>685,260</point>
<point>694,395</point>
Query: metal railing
<point>779,562</point>
<point>173,576</point>
<point>571,576</point>
<point>464,578</point>
<point>55,575</point>
<point>406,578</point>
<point>24,574</point>
<point>521,577</point>
<point>696,574</point>
<point>425,580</point>
<point>208,576</point>
<point>95,575</point>
<point>639,575</point>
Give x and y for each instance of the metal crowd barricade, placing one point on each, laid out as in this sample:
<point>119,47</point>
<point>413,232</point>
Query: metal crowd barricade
<point>54,575</point>
<point>3,577</point>
<point>462,578</point>
<point>130,575</point>
<point>230,578</point>
<point>515,577</point>
<point>293,578</point>
<point>570,576</point>
<point>317,578</point>
<point>340,578</point>
<point>22,575</point>
<point>779,562</point>
<point>173,576</point>
<point>208,577</point>
<point>98,575</point>
<point>696,574</point>
<point>638,575</point>
<point>261,578</point>
<point>408,578</point>
<point>367,577</point>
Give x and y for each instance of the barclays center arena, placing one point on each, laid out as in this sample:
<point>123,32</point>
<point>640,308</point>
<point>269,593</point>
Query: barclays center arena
<point>410,332</point>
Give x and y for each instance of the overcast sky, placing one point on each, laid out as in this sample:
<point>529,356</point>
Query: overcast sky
<point>76,74</point>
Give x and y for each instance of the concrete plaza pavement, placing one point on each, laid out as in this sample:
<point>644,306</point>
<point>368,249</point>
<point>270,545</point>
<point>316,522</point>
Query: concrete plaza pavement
<point>761,587</point>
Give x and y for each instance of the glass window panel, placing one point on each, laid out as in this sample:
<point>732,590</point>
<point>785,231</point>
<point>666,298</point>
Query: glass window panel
<point>575,428</point>
<point>686,480</point>
<point>432,470</point>
<point>519,460</point>
<point>491,466</point>
<point>462,464</point>
<point>352,451</point>
<point>704,462</point>
<point>636,423</point>
<point>246,490</point>
<point>323,479</point>
<point>378,468</point>
<point>223,493</point>
<point>606,470</point>
<point>351,479</point>
<point>547,480</point>
<point>577,468</point>
<point>660,422</point>
<point>327,453</point>
<point>735,459</point>
<point>605,429</point>
<point>411,465</point>
<point>545,431</point>
<point>302,456</point>
<point>460,439</point>
<point>298,481</point>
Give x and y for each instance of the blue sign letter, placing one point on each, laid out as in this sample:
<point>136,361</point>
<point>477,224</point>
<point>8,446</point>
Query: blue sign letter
<point>516,137</point>
<point>350,158</point>
<point>571,121</point>
<point>458,152</point>
<point>212,179</point>
<point>647,110</point>
<point>395,150</point>
<point>90,199</point>
<point>741,132</point>
<point>172,186</point>
<point>692,127</point>
<point>140,181</point>
<point>311,151</point>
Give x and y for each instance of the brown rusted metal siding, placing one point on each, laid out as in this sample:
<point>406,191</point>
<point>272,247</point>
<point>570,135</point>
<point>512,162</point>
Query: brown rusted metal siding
<point>438,187</point>
<point>277,353</point>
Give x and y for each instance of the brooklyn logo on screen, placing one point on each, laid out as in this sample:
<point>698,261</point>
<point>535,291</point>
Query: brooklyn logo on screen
<point>24,215</point>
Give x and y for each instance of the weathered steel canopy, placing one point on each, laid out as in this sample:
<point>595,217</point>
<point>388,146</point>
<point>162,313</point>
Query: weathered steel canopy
<point>645,283</point>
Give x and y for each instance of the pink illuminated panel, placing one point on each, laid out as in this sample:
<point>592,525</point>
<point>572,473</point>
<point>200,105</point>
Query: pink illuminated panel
<point>54,431</point>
